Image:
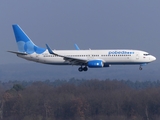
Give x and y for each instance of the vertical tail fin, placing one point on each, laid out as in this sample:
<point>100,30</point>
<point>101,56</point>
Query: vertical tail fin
<point>24,43</point>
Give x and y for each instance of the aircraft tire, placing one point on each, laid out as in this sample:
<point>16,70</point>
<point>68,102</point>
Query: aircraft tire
<point>140,68</point>
<point>85,68</point>
<point>80,69</point>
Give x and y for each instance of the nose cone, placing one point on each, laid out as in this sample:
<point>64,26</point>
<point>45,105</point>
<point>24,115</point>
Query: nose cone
<point>153,58</point>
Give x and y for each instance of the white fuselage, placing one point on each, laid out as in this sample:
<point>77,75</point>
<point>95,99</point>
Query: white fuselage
<point>110,57</point>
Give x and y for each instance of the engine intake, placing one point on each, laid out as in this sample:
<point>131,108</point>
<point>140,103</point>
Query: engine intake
<point>95,64</point>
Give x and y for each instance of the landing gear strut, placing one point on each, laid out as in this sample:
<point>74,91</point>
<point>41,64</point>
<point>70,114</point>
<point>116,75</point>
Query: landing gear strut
<point>80,69</point>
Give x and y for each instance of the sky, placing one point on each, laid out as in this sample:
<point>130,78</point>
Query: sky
<point>95,24</point>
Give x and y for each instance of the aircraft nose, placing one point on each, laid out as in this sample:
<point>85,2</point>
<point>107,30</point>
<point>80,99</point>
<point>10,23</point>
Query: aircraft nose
<point>153,58</point>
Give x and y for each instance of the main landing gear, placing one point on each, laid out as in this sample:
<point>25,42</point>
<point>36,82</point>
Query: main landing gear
<point>82,68</point>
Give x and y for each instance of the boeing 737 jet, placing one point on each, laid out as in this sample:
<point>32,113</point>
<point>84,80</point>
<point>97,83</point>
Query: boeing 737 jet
<point>83,58</point>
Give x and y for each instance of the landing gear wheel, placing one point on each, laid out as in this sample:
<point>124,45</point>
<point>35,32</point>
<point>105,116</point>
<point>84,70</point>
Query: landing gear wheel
<point>80,69</point>
<point>140,68</point>
<point>85,68</point>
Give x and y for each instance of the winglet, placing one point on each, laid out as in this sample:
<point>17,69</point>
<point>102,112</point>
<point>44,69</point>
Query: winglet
<point>49,49</point>
<point>76,46</point>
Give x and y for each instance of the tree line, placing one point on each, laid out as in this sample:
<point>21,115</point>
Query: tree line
<point>80,100</point>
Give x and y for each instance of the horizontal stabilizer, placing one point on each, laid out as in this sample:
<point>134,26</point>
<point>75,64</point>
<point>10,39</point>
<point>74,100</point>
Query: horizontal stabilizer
<point>19,53</point>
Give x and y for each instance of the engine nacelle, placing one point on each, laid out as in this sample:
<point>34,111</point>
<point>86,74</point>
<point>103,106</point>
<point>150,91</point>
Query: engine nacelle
<point>95,64</point>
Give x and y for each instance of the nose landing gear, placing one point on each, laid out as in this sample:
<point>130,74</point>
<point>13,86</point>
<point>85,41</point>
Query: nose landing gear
<point>80,69</point>
<point>140,67</point>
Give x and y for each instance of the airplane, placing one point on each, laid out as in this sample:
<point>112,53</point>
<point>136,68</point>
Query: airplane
<point>83,58</point>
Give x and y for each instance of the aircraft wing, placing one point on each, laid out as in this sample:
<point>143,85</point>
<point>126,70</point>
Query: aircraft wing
<point>18,53</point>
<point>71,60</point>
<point>74,61</point>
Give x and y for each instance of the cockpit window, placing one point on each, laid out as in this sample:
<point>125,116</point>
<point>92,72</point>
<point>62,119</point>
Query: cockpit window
<point>146,54</point>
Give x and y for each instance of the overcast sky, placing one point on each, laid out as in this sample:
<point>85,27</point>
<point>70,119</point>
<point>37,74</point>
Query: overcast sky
<point>95,24</point>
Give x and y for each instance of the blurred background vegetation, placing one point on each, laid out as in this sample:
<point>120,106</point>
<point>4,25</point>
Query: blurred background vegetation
<point>76,99</point>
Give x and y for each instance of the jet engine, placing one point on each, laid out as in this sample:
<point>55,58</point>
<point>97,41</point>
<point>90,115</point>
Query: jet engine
<point>95,64</point>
